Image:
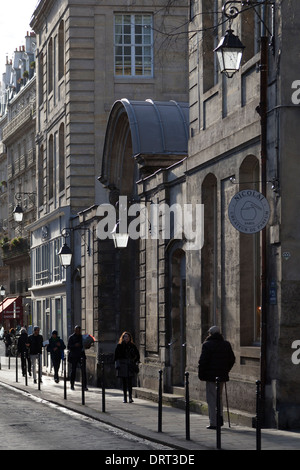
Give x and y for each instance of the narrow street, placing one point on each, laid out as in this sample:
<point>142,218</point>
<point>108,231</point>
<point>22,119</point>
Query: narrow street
<point>27,423</point>
<point>31,424</point>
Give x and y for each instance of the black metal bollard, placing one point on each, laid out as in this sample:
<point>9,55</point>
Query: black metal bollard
<point>187,407</point>
<point>17,367</point>
<point>258,415</point>
<point>65,378</point>
<point>39,371</point>
<point>82,382</point>
<point>9,356</point>
<point>103,387</point>
<point>25,362</point>
<point>160,402</point>
<point>218,412</point>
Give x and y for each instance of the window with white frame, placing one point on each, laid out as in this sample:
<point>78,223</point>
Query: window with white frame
<point>46,267</point>
<point>133,45</point>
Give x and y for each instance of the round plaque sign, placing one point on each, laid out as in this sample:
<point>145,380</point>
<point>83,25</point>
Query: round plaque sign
<point>249,211</point>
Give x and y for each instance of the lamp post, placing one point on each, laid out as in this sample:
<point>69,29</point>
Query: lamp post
<point>2,293</point>
<point>229,52</point>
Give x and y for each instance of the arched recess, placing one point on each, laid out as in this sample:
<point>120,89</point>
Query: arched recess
<point>77,300</point>
<point>209,254</point>
<point>177,318</point>
<point>250,295</point>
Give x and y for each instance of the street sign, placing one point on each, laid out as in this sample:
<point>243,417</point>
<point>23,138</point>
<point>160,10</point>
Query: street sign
<point>249,211</point>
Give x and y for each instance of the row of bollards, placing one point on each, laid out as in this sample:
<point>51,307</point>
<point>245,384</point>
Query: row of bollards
<point>187,404</point>
<point>160,397</point>
<point>39,374</point>
<point>218,410</point>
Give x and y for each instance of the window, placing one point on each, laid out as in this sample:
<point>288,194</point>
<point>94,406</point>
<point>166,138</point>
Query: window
<point>210,41</point>
<point>61,157</point>
<point>46,267</point>
<point>61,51</point>
<point>50,66</point>
<point>133,45</point>
<point>51,166</point>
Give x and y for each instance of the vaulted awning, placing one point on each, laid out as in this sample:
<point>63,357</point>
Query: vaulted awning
<point>11,307</point>
<point>152,133</point>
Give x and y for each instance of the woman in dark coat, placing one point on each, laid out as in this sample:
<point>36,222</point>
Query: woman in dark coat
<point>23,351</point>
<point>126,358</point>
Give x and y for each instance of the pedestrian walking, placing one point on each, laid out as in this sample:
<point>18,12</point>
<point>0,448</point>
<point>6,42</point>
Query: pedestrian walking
<point>127,358</point>
<point>35,345</point>
<point>56,349</point>
<point>22,350</point>
<point>77,356</point>
<point>216,360</point>
<point>8,343</point>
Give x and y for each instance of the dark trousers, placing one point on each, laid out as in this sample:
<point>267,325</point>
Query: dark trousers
<point>56,365</point>
<point>25,357</point>
<point>74,361</point>
<point>127,385</point>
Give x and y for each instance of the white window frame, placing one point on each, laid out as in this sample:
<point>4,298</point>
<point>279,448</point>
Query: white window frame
<point>46,268</point>
<point>146,48</point>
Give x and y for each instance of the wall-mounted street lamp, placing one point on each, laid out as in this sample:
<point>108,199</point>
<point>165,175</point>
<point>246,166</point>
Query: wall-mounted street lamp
<point>18,212</point>
<point>65,253</point>
<point>230,48</point>
<point>229,53</point>
<point>120,239</point>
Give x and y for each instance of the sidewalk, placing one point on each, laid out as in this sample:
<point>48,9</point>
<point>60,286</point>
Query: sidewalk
<point>141,417</point>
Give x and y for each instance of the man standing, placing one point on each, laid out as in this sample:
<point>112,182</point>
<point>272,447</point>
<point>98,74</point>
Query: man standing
<point>77,356</point>
<point>216,360</point>
<point>56,349</point>
<point>35,345</point>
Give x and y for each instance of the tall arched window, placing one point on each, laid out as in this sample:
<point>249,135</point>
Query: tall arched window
<point>50,66</point>
<point>61,50</point>
<point>61,157</point>
<point>209,261</point>
<point>41,79</point>
<point>250,296</point>
<point>40,179</point>
<point>51,166</point>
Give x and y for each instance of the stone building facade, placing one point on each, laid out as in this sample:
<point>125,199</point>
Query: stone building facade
<point>17,160</point>
<point>247,283</point>
<point>239,133</point>
<point>89,54</point>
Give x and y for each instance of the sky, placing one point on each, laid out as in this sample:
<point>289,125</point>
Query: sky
<point>15,16</point>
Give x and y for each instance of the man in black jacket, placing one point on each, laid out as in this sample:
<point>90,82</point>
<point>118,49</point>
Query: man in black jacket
<point>35,345</point>
<point>77,356</point>
<point>216,360</point>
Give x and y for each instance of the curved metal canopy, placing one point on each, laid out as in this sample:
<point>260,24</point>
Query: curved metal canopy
<point>158,127</point>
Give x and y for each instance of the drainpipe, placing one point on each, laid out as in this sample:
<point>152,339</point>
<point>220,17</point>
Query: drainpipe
<point>263,114</point>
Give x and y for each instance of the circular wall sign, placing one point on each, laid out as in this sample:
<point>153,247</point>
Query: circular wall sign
<point>249,211</point>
